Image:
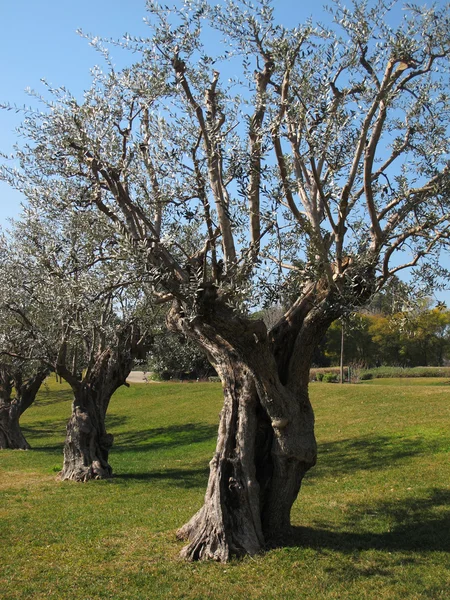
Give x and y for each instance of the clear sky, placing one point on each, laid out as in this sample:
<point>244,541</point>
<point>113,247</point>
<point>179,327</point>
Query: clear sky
<point>38,40</point>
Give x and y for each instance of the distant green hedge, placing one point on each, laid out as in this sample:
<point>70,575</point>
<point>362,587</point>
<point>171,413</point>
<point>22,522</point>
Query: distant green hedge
<point>332,374</point>
<point>327,374</point>
<point>383,372</point>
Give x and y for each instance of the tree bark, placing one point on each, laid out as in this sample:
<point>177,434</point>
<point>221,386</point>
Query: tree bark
<point>87,445</point>
<point>289,468</point>
<point>229,521</point>
<point>11,435</point>
<point>265,444</point>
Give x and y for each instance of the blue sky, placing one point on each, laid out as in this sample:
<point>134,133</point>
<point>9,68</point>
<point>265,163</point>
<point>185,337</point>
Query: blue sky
<point>38,40</point>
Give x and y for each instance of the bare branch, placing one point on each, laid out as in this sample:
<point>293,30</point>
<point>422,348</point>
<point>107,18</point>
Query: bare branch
<point>214,158</point>
<point>255,137</point>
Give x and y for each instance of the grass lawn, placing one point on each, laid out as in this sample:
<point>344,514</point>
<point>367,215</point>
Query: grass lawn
<point>372,520</point>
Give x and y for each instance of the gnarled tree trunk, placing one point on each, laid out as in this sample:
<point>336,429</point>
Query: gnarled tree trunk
<point>266,440</point>
<point>11,409</point>
<point>87,445</point>
<point>229,521</point>
<point>11,435</point>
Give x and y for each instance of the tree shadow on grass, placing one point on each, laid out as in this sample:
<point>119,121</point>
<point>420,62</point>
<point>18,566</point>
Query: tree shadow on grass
<point>113,421</point>
<point>417,524</point>
<point>49,397</point>
<point>372,453</point>
<point>165,437</point>
<point>45,429</point>
<point>440,383</point>
<point>183,478</point>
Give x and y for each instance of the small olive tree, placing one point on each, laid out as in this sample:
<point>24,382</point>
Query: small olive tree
<point>66,308</point>
<point>24,378</point>
<point>21,375</point>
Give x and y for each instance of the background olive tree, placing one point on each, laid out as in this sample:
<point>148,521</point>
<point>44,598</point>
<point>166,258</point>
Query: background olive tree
<point>66,309</point>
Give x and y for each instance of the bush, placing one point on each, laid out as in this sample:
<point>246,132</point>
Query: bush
<point>152,376</point>
<point>386,372</point>
<point>317,373</point>
<point>330,378</point>
<point>366,376</point>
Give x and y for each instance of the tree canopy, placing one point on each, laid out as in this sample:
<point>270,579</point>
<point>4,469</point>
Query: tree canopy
<point>328,147</point>
<point>408,338</point>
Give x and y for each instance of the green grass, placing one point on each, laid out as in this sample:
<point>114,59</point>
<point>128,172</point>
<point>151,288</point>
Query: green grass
<point>372,520</point>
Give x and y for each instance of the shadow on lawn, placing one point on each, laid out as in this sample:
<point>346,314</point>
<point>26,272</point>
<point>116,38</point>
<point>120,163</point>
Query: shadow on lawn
<point>372,452</point>
<point>47,429</point>
<point>165,437</point>
<point>44,429</point>
<point>185,478</point>
<point>46,397</point>
<point>418,524</point>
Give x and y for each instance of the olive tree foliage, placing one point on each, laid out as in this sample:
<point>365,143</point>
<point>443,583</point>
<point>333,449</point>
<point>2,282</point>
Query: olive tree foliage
<point>313,157</point>
<point>64,307</point>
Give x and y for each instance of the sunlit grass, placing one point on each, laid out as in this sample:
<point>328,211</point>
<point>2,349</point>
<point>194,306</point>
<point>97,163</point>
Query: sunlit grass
<point>372,520</point>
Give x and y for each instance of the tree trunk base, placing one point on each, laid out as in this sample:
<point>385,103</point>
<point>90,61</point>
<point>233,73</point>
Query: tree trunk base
<point>209,540</point>
<point>83,474</point>
<point>11,436</point>
<point>7,443</point>
<point>206,540</point>
<point>228,523</point>
<point>86,450</point>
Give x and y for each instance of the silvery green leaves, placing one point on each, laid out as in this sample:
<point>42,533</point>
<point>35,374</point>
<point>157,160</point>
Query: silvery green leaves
<point>65,294</point>
<point>233,148</point>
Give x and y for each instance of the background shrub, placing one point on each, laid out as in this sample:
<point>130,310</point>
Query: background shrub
<point>330,378</point>
<point>383,372</point>
<point>366,376</point>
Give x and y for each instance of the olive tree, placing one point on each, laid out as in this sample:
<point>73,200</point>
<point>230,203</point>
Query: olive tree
<point>24,378</point>
<point>22,375</point>
<point>308,157</point>
<point>68,312</point>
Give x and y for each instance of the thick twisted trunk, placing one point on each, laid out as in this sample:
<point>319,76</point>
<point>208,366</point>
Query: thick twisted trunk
<point>87,444</point>
<point>265,443</point>
<point>229,521</point>
<point>11,435</point>
<point>294,449</point>
<point>293,453</point>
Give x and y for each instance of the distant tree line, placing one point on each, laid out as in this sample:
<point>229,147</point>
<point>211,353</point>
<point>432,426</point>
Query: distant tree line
<point>404,338</point>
